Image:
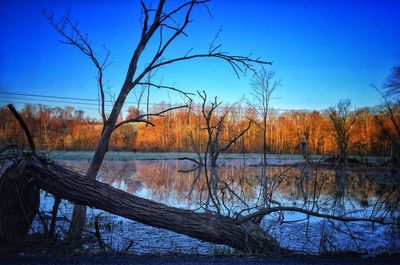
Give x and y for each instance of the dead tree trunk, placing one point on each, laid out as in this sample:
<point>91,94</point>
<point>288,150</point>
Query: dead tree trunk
<point>214,228</point>
<point>19,205</point>
<point>19,199</point>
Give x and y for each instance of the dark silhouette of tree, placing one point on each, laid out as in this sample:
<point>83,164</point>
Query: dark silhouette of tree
<point>392,83</point>
<point>214,126</point>
<point>388,113</point>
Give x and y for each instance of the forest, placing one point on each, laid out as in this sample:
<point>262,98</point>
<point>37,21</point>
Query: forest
<point>58,128</point>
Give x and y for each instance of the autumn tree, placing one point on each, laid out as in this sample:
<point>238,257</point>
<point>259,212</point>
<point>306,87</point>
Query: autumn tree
<point>182,127</point>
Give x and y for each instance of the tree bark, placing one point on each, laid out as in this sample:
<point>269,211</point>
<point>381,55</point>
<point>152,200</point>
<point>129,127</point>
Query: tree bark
<point>264,142</point>
<point>19,199</point>
<point>19,203</point>
<point>79,213</point>
<point>214,228</point>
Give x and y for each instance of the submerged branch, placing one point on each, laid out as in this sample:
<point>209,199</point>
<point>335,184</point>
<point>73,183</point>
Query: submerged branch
<point>267,211</point>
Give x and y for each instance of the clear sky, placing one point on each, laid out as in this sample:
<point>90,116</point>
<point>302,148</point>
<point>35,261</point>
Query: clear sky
<point>322,51</point>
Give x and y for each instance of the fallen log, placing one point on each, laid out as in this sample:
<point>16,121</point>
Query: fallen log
<point>214,228</point>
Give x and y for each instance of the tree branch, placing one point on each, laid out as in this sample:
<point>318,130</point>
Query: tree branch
<point>235,61</point>
<point>186,94</point>
<point>267,211</point>
<point>237,137</point>
<point>141,117</point>
<point>24,127</point>
<point>75,38</point>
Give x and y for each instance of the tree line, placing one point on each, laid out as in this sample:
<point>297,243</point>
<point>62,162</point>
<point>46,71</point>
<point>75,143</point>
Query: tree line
<point>56,128</point>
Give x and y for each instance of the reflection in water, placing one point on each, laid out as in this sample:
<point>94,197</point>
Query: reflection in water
<point>232,188</point>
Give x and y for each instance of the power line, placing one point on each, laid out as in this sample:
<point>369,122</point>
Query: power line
<point>197,107</point>
<point>64,104</point>
<point>56,101</point>
<point>89,101</point>
<point>75,98</point>
<point>46,96</point>
<point>49,105</point>
<point>29,102</point>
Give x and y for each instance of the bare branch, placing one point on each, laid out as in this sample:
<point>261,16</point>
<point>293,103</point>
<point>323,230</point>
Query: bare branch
<point>186,94</point>
<point>234,60</point>
<point>24,127</point>
<point>267,211</point>
<point>190,159</point>
<point>73,36</point>
<point>232,141</point>
<point>141,118</point>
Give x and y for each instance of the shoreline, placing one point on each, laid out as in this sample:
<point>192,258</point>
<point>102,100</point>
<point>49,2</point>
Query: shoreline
<point>331,259</point>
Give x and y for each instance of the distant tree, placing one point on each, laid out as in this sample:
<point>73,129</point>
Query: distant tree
<point>214,126</point>
<point>79,115</point>
<point>219,135</point>
<point>388,120</point>
<point>388,113</point>
<point>392,83</point>
<point>263,87</point>
<point>342,120</point>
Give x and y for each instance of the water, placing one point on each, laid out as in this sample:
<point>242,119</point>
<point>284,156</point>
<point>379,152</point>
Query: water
<point>238,188</point>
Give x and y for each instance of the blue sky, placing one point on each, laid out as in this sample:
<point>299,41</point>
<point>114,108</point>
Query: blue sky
<point>322,51</point>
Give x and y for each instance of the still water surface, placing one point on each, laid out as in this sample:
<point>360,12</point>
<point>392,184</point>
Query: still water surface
<point>238,188</point>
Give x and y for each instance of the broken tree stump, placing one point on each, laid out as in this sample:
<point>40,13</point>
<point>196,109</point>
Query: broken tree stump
<point>19,203</point>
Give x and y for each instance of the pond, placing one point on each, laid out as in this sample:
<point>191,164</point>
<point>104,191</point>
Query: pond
<point>239,187</point>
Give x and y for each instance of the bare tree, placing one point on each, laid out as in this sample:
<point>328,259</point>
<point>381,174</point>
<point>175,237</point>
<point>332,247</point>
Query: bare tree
<point>263,87</point>
<point>388,113</point>
<point>342,120</point>
<point>214,125</point>
<point>160,25</point>
<point>388,119</point>
<point>392,83</point>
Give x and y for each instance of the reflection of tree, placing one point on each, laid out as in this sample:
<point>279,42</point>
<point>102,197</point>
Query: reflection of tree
<point>333,197</point>
<point>238,187</point>
<point>120,175</point>
<point>289,185</point>
<point>340,185</point>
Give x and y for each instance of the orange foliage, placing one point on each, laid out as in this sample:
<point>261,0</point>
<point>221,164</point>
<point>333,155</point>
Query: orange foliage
<point>66,129</point>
